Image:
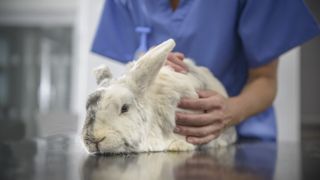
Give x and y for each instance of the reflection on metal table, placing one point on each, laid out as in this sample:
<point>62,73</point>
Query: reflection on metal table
<point>63,157</point>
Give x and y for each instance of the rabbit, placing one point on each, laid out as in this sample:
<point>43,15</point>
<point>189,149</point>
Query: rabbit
<point>136,112</point>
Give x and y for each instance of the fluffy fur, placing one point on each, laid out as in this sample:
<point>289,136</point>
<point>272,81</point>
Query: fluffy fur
<point>136,112</point>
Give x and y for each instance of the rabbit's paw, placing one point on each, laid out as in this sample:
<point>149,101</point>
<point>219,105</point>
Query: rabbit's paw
<point>180,145</point>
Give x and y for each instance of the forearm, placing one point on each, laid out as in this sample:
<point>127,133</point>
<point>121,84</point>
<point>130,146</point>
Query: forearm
<point>257,95</point>
<point>255,98</point>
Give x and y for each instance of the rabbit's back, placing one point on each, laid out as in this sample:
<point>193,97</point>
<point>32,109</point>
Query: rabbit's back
<point>173,85</point>
<point>170,86</point>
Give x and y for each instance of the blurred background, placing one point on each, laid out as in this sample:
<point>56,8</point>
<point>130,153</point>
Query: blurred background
<point>46,71</point>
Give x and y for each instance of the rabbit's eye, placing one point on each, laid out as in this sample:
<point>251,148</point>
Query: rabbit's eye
<point>125,108</point>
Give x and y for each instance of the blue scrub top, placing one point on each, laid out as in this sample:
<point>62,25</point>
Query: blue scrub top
<point>229,37</point>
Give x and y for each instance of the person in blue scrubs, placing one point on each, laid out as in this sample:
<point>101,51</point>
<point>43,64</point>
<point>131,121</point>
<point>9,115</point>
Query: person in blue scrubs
<point>238,40</point>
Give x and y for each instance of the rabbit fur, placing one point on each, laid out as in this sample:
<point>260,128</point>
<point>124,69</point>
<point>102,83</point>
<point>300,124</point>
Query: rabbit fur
<point>136,112</point>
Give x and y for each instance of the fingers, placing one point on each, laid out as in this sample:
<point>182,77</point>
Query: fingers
<point>176,67</point>
<point>200,132</point>
<point>212,102</point>
<point>176,56</point>
<point>175,60</point>
<point>200,128</point>
<point>186,119</point>
<point>179,55</point>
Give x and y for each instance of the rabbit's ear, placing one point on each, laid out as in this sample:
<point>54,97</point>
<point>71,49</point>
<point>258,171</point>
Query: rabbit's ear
<point>147,67</point>
<point>101,73</point>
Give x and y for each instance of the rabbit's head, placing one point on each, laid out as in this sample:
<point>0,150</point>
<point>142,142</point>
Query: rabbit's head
<point>116,113</point>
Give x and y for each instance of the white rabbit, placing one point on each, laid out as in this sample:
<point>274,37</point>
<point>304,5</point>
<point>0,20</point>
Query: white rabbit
<point>136,112</point>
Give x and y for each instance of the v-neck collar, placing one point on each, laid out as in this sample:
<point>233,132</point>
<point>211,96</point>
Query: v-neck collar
<point>164,7</point>
<point>180,12</point>
<point>162,13</point>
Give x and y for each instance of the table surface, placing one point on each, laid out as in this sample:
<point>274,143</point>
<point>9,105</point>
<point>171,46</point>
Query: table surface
<point>63,157</point>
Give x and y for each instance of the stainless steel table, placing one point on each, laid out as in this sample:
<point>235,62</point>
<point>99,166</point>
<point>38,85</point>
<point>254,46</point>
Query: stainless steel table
<point>63,157</point>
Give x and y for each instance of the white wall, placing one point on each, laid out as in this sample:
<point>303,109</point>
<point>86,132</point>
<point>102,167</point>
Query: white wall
<point>94,59</point>
<point>33,12</point>
<point>287,102</point>
<point>89,15</point>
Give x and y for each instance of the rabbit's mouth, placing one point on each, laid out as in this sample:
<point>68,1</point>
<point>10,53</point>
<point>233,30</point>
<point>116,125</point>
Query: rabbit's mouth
<point>103,147</point>
<point>123,148</point>
<point>98,148</point>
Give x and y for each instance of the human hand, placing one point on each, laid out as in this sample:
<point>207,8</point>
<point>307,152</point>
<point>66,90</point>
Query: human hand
<point>203,127</point>
<point>175,60</point>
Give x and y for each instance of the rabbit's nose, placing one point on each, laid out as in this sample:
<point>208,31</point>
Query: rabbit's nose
<point>96,140</point>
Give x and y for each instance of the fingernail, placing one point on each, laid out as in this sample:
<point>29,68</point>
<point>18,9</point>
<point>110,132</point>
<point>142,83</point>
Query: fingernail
<point>176,130</point>
<point>184,72</point>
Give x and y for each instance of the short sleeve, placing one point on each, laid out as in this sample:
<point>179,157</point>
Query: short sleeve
<point>268,28</point>
<point>115,36</point>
